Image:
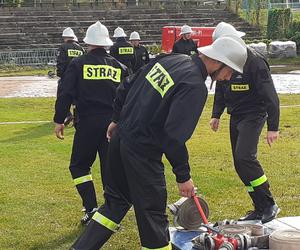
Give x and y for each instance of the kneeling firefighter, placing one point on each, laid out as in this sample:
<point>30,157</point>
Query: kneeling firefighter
<point>155,112</point>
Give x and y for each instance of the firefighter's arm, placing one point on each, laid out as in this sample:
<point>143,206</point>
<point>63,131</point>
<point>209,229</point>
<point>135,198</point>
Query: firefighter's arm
<point>184,113</point>
<point>113,51</point>
<point>68,93</point>
<point>175,49</point>
<point>219,102</point>
<point>60,61</point>
<point>147,56</point>
<point>266,89</point>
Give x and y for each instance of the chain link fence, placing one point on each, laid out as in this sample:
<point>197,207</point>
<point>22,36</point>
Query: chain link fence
<point>36,57</point>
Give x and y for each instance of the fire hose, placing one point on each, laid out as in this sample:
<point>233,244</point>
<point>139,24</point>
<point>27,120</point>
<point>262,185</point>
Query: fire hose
<point>186,213</point>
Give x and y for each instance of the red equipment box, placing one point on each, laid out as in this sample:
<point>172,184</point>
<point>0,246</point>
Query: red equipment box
<point>201,35</point>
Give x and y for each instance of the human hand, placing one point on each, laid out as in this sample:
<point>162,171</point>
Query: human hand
<point>186,189</point>
<point>59,130</point>
<point>214,124</point>
<point>110,130</point>
<point>272,136</point>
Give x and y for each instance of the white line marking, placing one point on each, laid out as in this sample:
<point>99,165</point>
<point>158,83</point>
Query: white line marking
<point>24,122</point>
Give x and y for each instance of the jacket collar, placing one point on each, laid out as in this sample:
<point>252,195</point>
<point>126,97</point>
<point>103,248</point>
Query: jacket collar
<point>98,51</point>
<point>197,60</point>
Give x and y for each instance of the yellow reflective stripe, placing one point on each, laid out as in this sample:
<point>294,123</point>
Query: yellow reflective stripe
<point>104,221</point>
<point>74,53</point>
<point>126,51</point>
<point>258,181</point>
<point>83,179</point>
<point>250,189</point>
<point>239,87</point>
<point>160,79</point>
<point>101,72</point>
<point>168,247</point>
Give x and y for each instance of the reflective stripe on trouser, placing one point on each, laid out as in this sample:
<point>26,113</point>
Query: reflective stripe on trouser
<point>82,179</point>
<point>257,182</point>
<point>168,247</point>
<point>106,222</point>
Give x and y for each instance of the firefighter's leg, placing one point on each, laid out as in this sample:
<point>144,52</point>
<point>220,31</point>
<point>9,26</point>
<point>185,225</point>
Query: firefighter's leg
<point>248,167</point>
<point>117,202</point>
<point>85,145</point>
<point>103,149</point>
<point>233,133</point>
<point>147,187</point>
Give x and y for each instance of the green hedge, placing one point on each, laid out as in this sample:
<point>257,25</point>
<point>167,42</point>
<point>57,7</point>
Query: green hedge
<point>278,23</point>
<point>294,32</point>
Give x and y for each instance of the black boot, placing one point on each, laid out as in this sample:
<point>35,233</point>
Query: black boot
<point>252,215</point>
<point>85,220</point>
<point>257,213</point>
<point>270,213</point>
<point>93,238</point>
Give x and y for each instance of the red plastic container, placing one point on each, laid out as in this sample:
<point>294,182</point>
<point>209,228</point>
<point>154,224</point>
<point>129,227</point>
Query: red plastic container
<point>201,35</point>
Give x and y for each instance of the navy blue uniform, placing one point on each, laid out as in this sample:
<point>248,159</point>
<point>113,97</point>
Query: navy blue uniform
<point>157,110</point>
<point>91,80</point>
<point>187,47</point>
<point>123,52</point>
<point>250,99</point>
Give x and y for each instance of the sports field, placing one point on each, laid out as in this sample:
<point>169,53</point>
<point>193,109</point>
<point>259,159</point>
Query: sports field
<point>40,208</point>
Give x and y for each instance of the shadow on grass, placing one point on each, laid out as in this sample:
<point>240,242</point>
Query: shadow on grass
<point>59,242</point>
<point>31,133</point>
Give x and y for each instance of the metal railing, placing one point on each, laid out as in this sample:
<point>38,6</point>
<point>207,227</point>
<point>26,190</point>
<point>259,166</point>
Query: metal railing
<point>32,57</point>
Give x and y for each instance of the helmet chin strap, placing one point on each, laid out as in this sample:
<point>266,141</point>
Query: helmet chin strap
<point>214,75</point>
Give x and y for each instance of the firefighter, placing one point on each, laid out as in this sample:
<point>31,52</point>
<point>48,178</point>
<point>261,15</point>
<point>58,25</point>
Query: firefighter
<point>140,52</point>
<point>122,50</point>
<point>250,99</point>
<point>185,45</point>
<point>91,80</point>
<point>66,52</point>
<point>156,111</point>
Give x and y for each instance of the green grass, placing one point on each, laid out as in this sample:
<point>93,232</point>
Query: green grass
<point>13,70</point>
<point>40,208</point>
<point>285,61</point>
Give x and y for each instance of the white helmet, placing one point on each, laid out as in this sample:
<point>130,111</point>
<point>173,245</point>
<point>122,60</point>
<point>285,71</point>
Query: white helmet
<point>227,50</point>
<point>226,29</point>
<point>97,34</point>
<point>134,36</point>
<point>119,32</point>
<point>185,29</point>
<point>68,32</point>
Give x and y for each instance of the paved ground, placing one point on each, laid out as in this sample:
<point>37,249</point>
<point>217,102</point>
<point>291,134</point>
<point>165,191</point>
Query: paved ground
<point>42,86</point>
<point>27,86</point>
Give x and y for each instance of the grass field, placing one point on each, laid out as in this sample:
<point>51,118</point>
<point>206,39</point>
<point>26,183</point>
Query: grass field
<point>40,208</point>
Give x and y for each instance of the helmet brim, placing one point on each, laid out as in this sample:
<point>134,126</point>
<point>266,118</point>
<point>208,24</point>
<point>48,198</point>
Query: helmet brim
<point>102,42</point>
<point>210,52</point>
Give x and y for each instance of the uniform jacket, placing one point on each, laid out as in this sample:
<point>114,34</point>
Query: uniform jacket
<point>66,52</point>
<point>187,47</point>
<point>141,57</point>
<point>250,92</point>
<point>91,80</point>
<point>123,52</point>
<point>157,109</point>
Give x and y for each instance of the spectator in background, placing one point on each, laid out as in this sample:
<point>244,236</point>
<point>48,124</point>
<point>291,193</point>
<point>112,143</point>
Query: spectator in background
<point>185,45</point>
